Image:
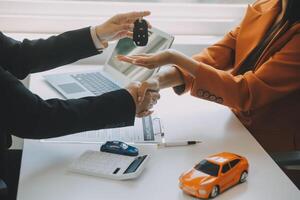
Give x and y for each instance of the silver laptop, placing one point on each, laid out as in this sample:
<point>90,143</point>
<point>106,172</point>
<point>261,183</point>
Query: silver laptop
<point>113,76</point>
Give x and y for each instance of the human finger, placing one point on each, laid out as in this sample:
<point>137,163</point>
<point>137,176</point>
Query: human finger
<point>129,34</point>
<point>135,61</point>
<point>133,57</point>
<point>120,35</point>
<point>123,27</point>
<point>145,113</point>
<point>127,59</point>
<point>132,16</point>
<point>144,88</point>
<point>155,96</point>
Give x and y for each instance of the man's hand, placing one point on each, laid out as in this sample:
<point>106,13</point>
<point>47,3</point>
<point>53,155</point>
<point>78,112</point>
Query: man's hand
<point>143,108</point>
<point>151,85</point>
<point>119,26</point>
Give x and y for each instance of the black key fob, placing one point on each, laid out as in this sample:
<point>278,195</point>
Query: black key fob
<point>140,32</point>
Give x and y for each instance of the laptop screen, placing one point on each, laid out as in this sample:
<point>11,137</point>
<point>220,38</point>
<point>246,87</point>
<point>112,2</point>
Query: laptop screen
<point>126,46</point>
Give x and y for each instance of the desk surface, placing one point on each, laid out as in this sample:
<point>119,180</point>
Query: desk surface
<point>44,165</point>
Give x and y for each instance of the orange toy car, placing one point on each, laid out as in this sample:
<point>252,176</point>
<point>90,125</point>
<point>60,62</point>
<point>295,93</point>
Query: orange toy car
<point>214,175</point>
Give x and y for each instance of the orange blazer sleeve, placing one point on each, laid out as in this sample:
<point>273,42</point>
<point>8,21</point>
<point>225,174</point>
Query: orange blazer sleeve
<point>220,56</point>
<point>277,77</point>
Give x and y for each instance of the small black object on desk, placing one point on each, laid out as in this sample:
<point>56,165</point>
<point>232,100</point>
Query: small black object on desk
<point>140,32</point>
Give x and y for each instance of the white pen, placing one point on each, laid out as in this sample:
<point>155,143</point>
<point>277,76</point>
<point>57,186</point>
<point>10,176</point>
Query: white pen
<point>178,143</point>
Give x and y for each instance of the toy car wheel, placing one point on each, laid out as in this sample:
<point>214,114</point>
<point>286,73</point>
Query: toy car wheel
<point>214,192</point>
<point>243,177</point>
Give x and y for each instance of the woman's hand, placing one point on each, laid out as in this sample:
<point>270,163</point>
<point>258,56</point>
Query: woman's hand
<point>149,61</point>
<point>119,26</point>
<point>169,56</point>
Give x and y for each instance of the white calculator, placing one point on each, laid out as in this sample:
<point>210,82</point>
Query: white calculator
<point>108,165</point>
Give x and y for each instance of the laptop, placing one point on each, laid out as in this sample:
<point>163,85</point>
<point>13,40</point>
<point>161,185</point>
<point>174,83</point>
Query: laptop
<point>114,75</point>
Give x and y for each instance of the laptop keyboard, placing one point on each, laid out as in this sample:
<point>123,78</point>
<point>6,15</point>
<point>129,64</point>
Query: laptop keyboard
<point>95,82</point>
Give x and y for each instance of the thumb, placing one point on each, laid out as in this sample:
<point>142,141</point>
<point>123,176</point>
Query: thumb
<point>122,35</point>
<point>142,92</point>
<point>123,27</point>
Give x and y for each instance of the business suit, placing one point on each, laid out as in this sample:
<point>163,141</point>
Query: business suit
<point>28,116</point>
<point>266,98</point>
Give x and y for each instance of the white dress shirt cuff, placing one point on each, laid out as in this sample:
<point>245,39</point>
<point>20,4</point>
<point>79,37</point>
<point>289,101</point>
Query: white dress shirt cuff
<point>97,42</point>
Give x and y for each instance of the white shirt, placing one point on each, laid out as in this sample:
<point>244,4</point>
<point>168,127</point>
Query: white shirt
<point>97,42</point>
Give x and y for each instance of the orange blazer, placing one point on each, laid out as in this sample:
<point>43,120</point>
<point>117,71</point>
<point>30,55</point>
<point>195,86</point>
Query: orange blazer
<point>267,99</point>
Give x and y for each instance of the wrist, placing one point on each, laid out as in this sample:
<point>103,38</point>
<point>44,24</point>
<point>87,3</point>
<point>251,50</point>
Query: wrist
<point>169,77</point>
<point>157,78</point>
<point>133,94</point>
<point>132,88</point>
<point>100,36</point>
<point>98,31</point>
<point>172,56</point>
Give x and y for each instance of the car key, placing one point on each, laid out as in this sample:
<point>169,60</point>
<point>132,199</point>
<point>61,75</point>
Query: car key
<point>140,32</point>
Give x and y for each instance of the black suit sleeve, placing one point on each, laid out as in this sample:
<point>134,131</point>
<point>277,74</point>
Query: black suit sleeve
<point>22,58</point>
<point>28,116</point>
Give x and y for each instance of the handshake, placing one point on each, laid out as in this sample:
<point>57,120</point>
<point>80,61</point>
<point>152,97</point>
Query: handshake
<point>145,95</point>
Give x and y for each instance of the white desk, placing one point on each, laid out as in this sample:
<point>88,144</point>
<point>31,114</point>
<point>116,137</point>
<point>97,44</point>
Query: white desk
<point>44,175</point>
